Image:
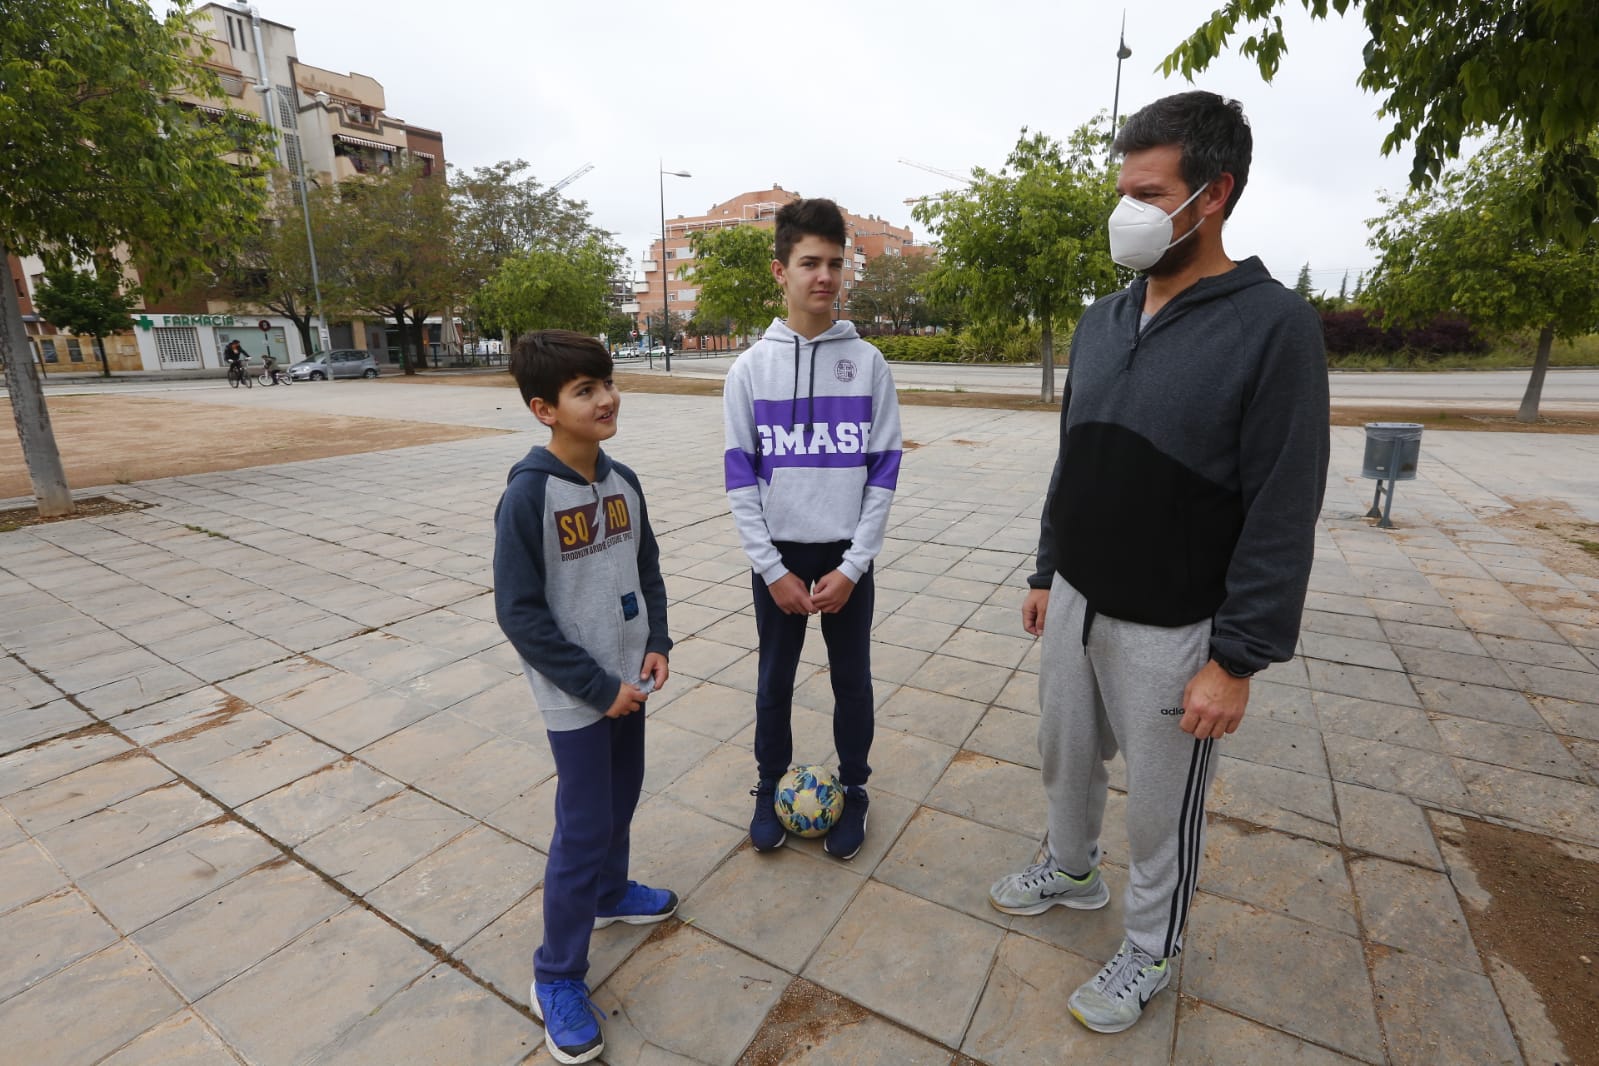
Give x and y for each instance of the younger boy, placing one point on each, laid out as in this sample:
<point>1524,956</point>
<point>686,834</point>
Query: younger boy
<point>578,592</point>
<point>812,460</point>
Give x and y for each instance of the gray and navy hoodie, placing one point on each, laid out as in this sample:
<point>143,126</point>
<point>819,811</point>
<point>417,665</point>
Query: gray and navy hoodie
<point>577,583</point>
<point>1193,458</point>
<point>813,445</point>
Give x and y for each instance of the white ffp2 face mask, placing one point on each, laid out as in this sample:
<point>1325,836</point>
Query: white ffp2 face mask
<point>1140,233</point>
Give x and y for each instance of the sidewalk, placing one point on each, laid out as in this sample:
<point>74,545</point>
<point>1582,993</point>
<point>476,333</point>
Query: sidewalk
<point>272,790</point>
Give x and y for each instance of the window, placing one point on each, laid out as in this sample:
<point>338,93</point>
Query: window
<point>688,294</point>
<point>74,350</point>
<point>177,346</point>
<point>48,348</point>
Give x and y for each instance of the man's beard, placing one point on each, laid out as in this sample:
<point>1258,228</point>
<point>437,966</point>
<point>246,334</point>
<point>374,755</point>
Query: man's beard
<point>1178,257</point>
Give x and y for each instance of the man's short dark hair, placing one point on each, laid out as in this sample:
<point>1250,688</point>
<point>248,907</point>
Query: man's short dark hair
<point>808,218</point>
<point>1210,130</point>
<point>546,359</point>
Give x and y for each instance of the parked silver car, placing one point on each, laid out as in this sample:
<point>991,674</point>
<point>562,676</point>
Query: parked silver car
<point>339,363</point>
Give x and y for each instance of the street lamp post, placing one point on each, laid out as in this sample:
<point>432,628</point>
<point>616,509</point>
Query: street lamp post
<point>1122,52</point>
<point>666,310</point>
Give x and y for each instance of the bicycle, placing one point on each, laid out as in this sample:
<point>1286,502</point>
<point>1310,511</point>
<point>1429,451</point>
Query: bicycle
<point>237,376</point>
<point>276,377</point>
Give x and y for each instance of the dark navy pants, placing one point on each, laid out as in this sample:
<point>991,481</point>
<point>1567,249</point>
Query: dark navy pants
<point>848,636</point>
<point>600,770</point>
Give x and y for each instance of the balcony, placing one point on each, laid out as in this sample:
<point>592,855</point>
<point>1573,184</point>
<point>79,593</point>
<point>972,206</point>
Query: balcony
<point>651,265</point>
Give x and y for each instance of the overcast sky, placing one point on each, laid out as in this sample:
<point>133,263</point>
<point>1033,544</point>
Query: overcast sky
<point>825,97</point>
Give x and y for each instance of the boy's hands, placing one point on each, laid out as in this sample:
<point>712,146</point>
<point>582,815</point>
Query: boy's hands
<point>628,697</point>
<point>832,592</point>
<point>655,666</point>
<point>1213,702</point>
<point>791,595</point>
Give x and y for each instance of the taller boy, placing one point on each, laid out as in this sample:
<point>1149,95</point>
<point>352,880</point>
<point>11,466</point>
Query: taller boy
<point>813,450</point>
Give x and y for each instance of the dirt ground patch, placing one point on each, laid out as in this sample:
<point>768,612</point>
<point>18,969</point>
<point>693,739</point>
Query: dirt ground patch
<point>1436,418</point>
<point>106,439</point>
<point>1567,542</point>
<point>92,507</point>
<point>1542,921</point>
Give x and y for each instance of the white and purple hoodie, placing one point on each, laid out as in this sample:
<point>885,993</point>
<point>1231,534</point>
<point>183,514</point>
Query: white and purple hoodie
<point>813,445</point>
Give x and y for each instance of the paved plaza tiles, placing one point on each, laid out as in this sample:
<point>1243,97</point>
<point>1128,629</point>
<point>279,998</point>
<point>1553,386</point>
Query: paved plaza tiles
<point>272,790</point>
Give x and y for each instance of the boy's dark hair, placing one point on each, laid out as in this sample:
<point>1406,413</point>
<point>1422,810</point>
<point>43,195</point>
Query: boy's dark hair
<point>1211,132</point>
<point>546,359</point>
<point>808,218</point>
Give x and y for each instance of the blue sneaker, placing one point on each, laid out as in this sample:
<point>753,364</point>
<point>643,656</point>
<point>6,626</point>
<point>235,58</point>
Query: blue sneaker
<point>571,1020</point>
<point>640,905</point>
<point>844,840</point>
<point>766,832</point>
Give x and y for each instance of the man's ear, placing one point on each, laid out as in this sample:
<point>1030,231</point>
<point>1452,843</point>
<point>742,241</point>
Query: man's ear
<point>1213,201</point>
<point>777,272</point>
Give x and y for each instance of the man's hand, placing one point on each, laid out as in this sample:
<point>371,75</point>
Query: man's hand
<point>1213,702</point>
<point>628,699</point>
<point>1034,607</point>
<point>790,595</point>
<point>655,666</point>
<point>832,592</point>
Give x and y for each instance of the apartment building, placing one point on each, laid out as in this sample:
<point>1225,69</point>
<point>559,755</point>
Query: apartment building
<point>334,125</point>
<point>867,237</point>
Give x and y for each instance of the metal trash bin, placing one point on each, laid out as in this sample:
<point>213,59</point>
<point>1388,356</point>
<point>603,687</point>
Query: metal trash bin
<point>1392,451</point>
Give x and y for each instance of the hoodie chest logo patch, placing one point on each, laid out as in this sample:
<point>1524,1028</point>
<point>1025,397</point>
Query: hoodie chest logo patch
<point>844,370</point>
<point>579,529</point>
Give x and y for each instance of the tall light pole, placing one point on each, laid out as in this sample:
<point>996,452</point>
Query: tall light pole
<point>1122,52</point>
<point>666,310</point>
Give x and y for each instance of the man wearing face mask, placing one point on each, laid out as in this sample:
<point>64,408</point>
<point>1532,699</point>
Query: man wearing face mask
<point>1176,540</point>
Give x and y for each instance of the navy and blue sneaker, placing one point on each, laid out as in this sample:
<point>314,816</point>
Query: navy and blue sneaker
<point>571,1020</point>
<point>844,840</point>
<point>639,905</point>
<point>766,832</point>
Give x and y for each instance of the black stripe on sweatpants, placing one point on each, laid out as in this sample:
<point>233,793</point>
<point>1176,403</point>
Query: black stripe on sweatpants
<point>1190,823</point>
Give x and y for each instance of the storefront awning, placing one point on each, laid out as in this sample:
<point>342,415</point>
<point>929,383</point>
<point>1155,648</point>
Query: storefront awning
<point>364,143</point>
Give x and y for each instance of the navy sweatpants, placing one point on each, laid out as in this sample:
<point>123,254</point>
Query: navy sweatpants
<point>848,635</point>
<point>600,770</point>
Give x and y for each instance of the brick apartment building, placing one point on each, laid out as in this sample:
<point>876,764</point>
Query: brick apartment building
<point>867,237</point>
<point>335,124</point>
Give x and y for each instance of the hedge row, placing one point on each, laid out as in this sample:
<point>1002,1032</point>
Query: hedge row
<point>1361,331</point>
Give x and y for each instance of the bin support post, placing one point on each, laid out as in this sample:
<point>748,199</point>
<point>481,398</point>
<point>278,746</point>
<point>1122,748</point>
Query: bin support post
<point>1386,522</point>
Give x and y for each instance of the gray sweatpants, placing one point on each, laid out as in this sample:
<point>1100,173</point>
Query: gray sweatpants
<point>1123,689</point>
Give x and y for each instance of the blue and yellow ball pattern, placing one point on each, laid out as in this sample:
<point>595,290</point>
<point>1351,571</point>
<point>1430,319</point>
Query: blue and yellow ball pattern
<point>809,800</point>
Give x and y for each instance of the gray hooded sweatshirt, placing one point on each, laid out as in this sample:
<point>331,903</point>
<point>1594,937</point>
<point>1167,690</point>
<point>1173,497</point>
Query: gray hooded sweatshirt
<point>813,446</point>
<point>577,583</point>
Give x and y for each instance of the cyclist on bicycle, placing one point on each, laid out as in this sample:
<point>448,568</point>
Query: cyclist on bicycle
<point>269,367</point>
<point>235,354</point>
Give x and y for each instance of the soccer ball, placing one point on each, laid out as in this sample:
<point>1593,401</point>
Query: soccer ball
<point>809,801</point>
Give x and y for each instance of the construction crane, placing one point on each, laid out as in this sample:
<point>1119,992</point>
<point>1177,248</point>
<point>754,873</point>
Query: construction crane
<point>570,178</point>
<point>950,174</point>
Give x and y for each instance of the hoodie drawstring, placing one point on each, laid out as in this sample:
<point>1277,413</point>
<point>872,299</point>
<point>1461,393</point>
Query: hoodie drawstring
<point>793,403</point>
<point>810,402</point>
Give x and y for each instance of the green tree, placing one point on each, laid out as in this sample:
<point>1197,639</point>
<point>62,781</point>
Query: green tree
<point>1028,244</point>
<point>391,252</point>
<point>273,270</point>
<point>1469,245</point>
<point>548,289</point>
<point>892,287</point>
<point>734,277</point>
<point>1446,71</point>
<point>619,327</point>
<point>666,332</point>
<point>87,302</point>
<point>1304,286</point>
<point>97,153</point>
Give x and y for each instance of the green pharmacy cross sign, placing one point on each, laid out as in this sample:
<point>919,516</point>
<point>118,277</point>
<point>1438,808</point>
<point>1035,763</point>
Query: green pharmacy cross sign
<point>145,322</point>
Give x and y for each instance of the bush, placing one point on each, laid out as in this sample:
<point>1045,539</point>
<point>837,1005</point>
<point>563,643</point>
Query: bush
<point>1016,344</point>
<point>1361,332</point>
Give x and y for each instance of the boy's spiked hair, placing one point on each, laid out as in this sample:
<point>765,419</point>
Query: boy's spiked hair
<point>808,218</point>
<point>546,359</point>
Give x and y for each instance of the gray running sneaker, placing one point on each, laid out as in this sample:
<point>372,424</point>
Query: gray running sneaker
<point>1044,885</point>
<point>1114,1000</point>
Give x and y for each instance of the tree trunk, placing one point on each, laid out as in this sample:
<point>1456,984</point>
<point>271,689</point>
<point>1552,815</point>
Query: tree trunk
<point>1540,366</point>
<point>105,364</point>
<point>1046,390</point>
<point>28,408</point>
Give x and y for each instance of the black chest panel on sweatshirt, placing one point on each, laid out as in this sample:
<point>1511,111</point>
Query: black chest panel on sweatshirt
<point>1141,535</point>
